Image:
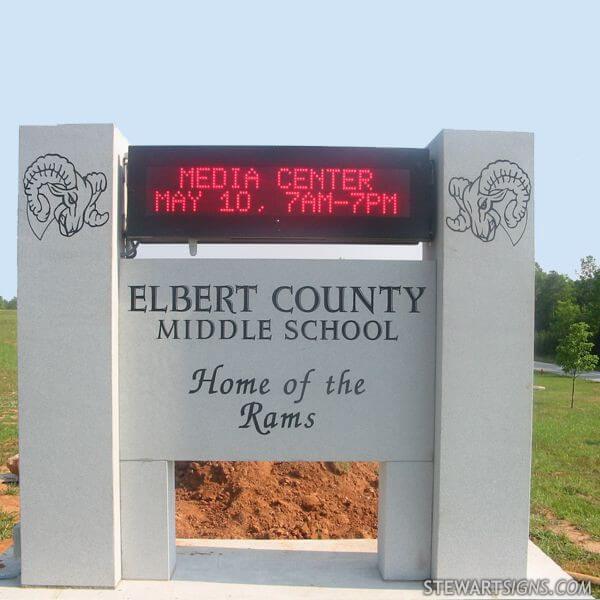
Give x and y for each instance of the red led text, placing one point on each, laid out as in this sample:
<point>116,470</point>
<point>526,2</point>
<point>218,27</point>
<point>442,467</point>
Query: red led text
<point>278,191</point>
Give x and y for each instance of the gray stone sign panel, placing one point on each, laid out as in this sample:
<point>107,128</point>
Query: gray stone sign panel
<point>277,360</point>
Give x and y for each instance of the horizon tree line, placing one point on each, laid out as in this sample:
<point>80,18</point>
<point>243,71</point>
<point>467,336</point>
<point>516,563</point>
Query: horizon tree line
<point>561,302</point>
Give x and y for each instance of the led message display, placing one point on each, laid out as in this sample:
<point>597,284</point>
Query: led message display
<point>278,194</point>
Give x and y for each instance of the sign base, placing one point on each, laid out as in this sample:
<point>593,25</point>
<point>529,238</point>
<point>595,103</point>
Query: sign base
<point>250,569</point>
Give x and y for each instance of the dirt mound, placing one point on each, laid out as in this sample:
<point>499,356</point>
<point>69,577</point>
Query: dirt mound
<point>265,500</point>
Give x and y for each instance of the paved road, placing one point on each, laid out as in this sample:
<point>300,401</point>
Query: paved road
<point>552,368</point>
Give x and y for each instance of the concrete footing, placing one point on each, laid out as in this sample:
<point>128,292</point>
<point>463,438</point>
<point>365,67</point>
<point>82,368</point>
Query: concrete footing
<point>258,569</point>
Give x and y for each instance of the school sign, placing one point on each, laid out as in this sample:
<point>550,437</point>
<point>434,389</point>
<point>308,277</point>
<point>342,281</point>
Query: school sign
<point>127,365</point>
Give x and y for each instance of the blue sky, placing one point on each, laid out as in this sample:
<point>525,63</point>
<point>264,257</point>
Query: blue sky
<point>317,73</point>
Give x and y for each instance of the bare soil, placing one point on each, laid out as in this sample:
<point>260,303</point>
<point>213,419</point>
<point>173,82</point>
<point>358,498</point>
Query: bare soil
<point>574,535</point>
<point>266,500</point>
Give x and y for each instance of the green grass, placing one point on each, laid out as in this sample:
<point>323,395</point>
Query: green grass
<point>569,556</point>
<point>7,522</point>
<point>566,470</point>
<point>566,452</point>
<point>8,384</point>
<point>10,489</point>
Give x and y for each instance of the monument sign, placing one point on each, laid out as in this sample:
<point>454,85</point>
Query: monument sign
<point>126,364</point>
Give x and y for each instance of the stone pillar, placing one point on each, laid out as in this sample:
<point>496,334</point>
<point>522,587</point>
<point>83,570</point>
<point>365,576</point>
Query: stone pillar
<point>404,530</point>
<point>70,177</point>
<point>148,519</point>
<point>485,288</point>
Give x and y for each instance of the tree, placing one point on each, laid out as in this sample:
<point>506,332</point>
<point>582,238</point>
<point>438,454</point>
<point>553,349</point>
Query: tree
<point>9,304</point>
<point>549,289</point>
<point>574,353</point>
<point>587,296</point>
<point>566,313</point>
<point>588,268</point>
<point>561,301</point>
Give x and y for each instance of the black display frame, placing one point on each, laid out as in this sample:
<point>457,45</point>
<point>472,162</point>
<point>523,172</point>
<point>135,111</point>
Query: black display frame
<point>417,227</point>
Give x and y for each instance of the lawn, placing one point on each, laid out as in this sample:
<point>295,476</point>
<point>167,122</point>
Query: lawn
<point>565,494</point>
<point>8,384</point>
<point>565,490</point>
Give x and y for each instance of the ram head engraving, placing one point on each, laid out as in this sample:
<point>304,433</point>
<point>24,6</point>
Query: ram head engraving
<point>499,197</point>
<point>56,191</point>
